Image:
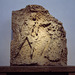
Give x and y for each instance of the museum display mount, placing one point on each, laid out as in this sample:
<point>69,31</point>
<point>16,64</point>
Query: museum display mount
<point>38,43</point>
<point>53,70</point>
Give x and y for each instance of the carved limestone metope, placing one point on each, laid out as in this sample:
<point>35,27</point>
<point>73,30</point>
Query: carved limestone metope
<point>38,38</point>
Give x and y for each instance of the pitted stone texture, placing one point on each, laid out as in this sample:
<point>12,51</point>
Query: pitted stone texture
<point>38,38</point>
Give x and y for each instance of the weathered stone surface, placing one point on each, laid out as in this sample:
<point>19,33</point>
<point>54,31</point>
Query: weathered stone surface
<point>38,38</point>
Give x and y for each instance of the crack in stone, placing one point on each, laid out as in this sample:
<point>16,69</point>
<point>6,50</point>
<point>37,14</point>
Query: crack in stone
<point>52,60</point>
<point>45,25</point>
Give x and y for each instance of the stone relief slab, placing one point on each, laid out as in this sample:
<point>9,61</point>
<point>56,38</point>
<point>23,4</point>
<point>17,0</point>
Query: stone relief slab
<point>38,38</point>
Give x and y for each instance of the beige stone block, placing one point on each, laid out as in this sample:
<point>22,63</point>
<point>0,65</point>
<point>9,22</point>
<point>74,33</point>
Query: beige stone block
<point>38,38</point>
